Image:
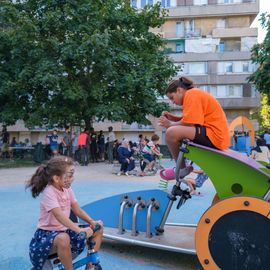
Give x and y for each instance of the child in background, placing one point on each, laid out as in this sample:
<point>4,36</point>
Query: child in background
<point>56,232</point>
<point>197,182</point>
<point>150,151</point>
<point>193,183</point>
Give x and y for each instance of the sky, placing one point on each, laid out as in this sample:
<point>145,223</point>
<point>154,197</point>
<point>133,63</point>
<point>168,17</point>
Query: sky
<point>264,7</point>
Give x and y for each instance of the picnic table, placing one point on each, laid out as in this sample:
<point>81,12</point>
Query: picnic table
<point>20,151</point>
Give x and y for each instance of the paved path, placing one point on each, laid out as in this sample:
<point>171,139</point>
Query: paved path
<point>19,215</point>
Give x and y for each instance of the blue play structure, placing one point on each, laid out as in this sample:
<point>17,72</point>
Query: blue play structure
<point>233,223</point>
<point>243,144</point>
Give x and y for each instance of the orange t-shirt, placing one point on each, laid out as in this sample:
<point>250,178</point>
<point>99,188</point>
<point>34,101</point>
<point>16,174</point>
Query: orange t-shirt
<point>199,107</point>
<point>82,139</point>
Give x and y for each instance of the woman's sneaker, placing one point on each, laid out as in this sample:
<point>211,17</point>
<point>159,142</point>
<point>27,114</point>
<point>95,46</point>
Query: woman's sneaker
<point>126,173</point>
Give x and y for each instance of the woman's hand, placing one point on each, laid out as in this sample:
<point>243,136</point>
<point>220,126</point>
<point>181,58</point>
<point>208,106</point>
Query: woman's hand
<point>171,117</point>
<point>166,114</point>
<point>164,121</point>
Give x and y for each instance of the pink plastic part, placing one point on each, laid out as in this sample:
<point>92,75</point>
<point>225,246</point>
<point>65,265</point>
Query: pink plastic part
<point>167,174</point>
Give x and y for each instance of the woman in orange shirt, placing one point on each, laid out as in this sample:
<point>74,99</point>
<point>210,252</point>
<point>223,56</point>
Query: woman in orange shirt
<point>203,120</point>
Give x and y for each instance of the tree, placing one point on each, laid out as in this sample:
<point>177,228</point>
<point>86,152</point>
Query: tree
<point>264,112</point>
<point>67,61</point>
<point>260,54</point>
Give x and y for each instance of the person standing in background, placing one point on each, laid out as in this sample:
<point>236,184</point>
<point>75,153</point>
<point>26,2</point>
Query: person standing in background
<point>66,141</point>
<point>82,143</point>
<point>5,142</point>
<point>111,139</point>
<point>93,145</point>
<point>266,137</point>
<point>53,142</point>
<point>101,145</point>
<point>74,143</point>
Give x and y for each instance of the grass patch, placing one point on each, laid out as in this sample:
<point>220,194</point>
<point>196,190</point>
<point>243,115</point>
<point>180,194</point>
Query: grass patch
<point>17,163</point>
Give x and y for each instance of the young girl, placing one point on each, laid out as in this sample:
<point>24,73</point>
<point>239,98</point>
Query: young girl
<point>203,121</point>
<point>56,232</point>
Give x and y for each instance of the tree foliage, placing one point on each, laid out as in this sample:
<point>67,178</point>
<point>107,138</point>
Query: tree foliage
<point>66,61</point>
<point>265,112</point>
<point>260,54</point>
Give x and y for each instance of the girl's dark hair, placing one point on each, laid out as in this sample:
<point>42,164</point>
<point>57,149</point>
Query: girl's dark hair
<point>44,174</point>
<point>182,82</point>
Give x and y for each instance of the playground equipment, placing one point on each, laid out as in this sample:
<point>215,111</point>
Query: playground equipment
<point>234,233</point>
<point>242,140</point>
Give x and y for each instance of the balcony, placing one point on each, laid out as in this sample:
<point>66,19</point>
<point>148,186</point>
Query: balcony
<point>234,32</point>
<point>211,2</point>
<point>231,103</point>
<point>214,9</point>
<point>173,35</point>
<point>240,103</point>
<point>171,51</point>
<point>200,57</point>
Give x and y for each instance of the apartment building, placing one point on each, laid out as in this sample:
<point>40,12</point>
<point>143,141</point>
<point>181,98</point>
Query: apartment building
<point>210,40</point>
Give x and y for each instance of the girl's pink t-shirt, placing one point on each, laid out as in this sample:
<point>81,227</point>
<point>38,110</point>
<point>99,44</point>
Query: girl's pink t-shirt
<point>54,198</point>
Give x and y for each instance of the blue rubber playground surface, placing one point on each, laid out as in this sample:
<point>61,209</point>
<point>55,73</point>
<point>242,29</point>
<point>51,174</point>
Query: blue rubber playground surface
<point>19,214</point>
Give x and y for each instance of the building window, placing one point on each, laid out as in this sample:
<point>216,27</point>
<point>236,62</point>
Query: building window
<point>253,91</point>
<point>221,91</point>
<point>235,91</point>
<point>228,67</point>
<point>143,3</point>
<point>189,25</point>
<point>204,87</point>
<point>134,3</point>
<point>180,29</point>
<point>213,90</point>
<point>165,3</point>
<point>225,67</point>
<point>179,47</point>
<point>200,2</point>
<point>197,68</point>
<point>221,23</point>
<point>221,46</point>
<point>226,1</point>
<point>235,67</point>
<point>245,66</point>
<point>226,91</point>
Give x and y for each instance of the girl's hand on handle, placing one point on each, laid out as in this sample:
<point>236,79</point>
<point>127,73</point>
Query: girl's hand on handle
<point>89,232</point>
<point>94,222</point>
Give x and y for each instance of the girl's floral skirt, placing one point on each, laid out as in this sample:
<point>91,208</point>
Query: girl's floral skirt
<point>42,243</point>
